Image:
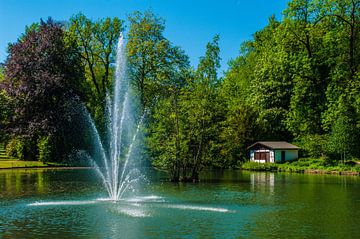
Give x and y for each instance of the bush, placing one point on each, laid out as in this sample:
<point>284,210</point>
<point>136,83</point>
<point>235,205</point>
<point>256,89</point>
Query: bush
<point>357,168</point>
<point>16,148</point>
<point>45,149</point>
<point>259,166</point>
<point>21,148</point>
<point>303,164</point>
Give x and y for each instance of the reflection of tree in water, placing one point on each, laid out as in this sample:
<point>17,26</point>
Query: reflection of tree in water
<point>22,182</point>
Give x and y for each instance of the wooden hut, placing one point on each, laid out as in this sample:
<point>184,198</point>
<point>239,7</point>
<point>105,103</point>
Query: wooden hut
<point>273,152</point>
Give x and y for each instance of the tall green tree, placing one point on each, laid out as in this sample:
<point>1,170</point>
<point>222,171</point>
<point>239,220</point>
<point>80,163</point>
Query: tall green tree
<point>343,37</point>
<point>158,72</point>
<point>343,138</point>
<point>271,83</point>
<point>308,66</point>
<point>167,135</point>
<point>183,132</point>
<point>97,41</point>
<point>153,61</point>
<point>201,104</point>
<point>240,127</point>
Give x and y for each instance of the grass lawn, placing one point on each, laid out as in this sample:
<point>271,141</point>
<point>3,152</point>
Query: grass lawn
<point>21,164</point>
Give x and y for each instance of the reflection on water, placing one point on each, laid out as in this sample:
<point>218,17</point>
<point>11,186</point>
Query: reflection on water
<point>22,181</point>
<point>37,182</point>
<point>225,204</point>
<point>262,181</point>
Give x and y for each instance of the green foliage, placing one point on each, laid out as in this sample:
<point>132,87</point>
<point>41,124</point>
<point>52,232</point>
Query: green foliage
<point>259,166</point>
<point>5,111</point>
<point>5,108</point>
<point>343,138</point>
<point>302,165</point>
<point>240,128</point>
<point>2,76</point>
<point>97,41</point>
<point>183,131</point>
<point>166,139</point>
<point>14,148</point>
<point>203,110</point>
<point>20,148</point>
<point>45,149</point>
<point>296,80</point>
<point>314,145</point>
<point>154,63</point>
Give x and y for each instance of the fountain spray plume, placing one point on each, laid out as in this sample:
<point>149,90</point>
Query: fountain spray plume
<point>123,134</point>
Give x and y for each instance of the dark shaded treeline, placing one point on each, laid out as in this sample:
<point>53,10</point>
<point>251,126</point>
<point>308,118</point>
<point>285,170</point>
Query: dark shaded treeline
<point>296,80</point>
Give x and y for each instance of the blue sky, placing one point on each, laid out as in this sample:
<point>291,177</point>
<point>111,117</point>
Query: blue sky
<point>189,23</point>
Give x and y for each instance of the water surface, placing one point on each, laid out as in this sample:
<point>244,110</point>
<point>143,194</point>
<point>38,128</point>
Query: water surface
<point>46,203</point>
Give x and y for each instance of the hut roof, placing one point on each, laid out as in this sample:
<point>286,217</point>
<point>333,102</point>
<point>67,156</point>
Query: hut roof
<point>275,145</point>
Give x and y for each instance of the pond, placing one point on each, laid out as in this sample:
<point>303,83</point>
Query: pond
<point>49,203</point>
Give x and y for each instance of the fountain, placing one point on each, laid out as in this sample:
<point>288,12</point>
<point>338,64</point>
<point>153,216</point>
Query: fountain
<point>118,171</point>
<point>116,161</point>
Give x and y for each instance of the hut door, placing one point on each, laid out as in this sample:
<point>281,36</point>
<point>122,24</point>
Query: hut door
<point>282,156</point>
<point>267,157</point>
<point>263,156</point>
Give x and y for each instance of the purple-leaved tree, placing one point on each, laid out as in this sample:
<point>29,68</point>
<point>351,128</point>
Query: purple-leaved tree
<point>43,76</point>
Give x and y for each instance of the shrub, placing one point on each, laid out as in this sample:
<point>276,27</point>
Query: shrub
<point>357,168</point>
<point>16,148</point>
<point>259,166</point>
<point>45,149</point>
<point>301,165</point>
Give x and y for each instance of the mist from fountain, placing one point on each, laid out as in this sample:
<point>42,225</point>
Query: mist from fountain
<point>117,167</point>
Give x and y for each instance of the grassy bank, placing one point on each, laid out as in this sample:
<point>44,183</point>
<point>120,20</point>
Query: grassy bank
<point>307,165</point>
<point>21,164</point>
<point>9,164</point>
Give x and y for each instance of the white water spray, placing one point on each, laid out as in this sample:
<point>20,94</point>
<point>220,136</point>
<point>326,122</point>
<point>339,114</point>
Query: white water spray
<point>123,134</point>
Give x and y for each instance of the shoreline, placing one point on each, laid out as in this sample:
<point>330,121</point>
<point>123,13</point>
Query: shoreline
<point>306,166</point>
<point>309,171</point>
<point>344,173</point>
<point>303,171</point>
<point>48,167</point>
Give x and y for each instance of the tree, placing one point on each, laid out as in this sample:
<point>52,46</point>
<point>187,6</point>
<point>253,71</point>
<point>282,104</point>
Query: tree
<point>293,79</point>
<point>343,138</point>
<point>97,41</point>
<point>347,14</point>
<point>201,105</point>
<point>5,108</point>
<point>158,72</point>
<point>153,61</point>
<point>271,82</point>
<point>240,127</point>
<point>343,37</point>
<point>307,64</point>
<point>43,73</point>
<point>167,139</point>
<point>183,129</point>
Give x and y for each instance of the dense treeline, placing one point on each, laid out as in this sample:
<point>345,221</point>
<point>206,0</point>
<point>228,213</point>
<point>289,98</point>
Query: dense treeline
<point>299,79</point>
<point>296,80</point>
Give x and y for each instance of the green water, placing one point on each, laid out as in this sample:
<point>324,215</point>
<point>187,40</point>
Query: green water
<point>227,204</point>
